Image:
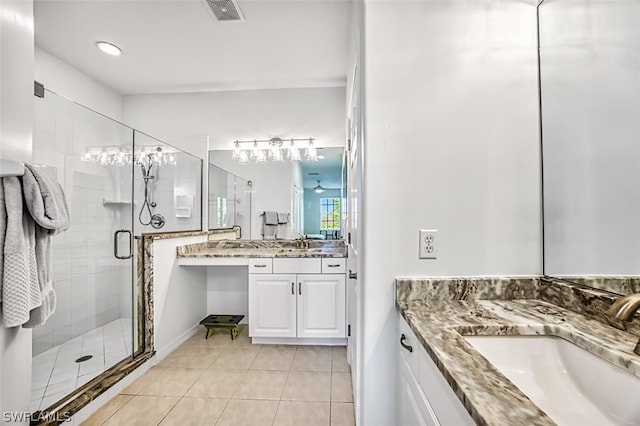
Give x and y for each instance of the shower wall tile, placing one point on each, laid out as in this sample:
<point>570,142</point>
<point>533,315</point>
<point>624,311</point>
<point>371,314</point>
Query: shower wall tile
<point>62,335</point>
<point>86,276</point>
<point>43,343</point>
<point>172,181</point>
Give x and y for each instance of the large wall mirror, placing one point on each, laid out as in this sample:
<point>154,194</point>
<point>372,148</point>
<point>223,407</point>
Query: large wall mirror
<point>590,94</point>
<point>310,192</point>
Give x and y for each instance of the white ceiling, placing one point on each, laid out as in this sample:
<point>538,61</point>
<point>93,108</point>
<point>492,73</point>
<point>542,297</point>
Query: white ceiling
<point>177,46</point>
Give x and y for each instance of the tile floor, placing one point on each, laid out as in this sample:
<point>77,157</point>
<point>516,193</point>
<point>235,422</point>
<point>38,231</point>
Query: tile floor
<point>235,383</point>
<point>55,372</point>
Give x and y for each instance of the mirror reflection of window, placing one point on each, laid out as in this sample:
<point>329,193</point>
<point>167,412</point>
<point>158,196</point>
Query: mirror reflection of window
<point>329,214</point>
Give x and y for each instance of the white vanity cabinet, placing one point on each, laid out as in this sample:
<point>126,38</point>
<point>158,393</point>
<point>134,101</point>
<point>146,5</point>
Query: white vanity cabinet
<point>295,299</point>
<point>424,396</point>
<point>272,305</point>
<point>321,305</point>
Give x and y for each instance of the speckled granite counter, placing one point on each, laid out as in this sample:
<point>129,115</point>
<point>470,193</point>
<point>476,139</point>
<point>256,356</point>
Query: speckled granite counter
<point>263,248</point>
<point>441,312</point>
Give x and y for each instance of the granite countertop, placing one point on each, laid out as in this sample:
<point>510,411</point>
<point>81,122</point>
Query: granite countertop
<point>263,248</point>
<point>440,322</point>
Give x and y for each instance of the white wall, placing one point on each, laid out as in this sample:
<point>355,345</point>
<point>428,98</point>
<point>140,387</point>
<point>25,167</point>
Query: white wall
<point>16,134</point>
<point>248,114</point>
<point>590,104</point>
<point>228,291</point>
<point>272,186</point>
<point>178,295</point>
<point>16,79</point>
<point>62,78</point>
<point>451,141</point>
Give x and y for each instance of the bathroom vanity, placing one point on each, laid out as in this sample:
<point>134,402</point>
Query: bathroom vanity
<point>296,289</point>
<point>448,377</point>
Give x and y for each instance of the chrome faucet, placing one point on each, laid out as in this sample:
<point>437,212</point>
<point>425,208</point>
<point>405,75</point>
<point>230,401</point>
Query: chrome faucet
<point>624,309</point>
<point>302,242</point>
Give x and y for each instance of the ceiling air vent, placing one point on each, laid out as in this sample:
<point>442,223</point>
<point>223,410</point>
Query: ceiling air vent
<point>225,10</point>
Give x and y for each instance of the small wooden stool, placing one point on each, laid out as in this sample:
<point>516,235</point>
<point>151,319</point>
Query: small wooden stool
<point>223,321</point>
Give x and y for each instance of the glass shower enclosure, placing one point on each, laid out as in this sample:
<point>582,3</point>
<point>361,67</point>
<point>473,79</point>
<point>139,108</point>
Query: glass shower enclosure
<point>229,201</point>
<point>119,183</point>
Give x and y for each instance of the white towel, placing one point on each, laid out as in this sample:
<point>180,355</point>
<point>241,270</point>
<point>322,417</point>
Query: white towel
<point>270,218</point>
<point>269,232</point>
<point>44,197</point>
<point>283,227</point>
<point>283,218</point>
<point>20,288</point>
<point>40,314</point>
<point>3,232</point>
<point>47,204</point>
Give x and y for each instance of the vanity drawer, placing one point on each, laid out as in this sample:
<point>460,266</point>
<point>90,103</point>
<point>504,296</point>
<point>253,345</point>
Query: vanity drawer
<point>263,265</point>
<point>408,345</point>
<point>334,265</point>
<point>301,265</point>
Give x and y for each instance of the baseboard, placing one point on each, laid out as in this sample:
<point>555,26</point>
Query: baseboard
<point>301,341</point>
<point>162,353</point>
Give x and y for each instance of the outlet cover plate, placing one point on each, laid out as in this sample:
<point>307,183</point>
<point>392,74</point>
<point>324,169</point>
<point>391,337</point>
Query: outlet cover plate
<point>428,246</point>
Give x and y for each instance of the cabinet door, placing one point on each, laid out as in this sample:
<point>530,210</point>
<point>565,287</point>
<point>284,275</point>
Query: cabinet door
<point>411,408</point>
<point>272,305</point>
<point>321,305</point>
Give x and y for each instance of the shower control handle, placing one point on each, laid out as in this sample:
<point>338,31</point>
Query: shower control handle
<point>115,244</point>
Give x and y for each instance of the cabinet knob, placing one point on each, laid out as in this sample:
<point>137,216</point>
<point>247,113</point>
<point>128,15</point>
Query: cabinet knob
<point>353,275</point>
<point>299,288</point>
<point>404,345</point>
<point>292,288</point>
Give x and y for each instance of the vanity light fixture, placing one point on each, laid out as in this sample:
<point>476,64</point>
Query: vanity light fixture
<point>119,156</point>
<point>318,189</point>
<point>109,48</point>
<point>261,150</point>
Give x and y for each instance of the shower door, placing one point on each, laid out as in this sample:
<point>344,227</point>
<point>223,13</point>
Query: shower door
<point>92,157</point>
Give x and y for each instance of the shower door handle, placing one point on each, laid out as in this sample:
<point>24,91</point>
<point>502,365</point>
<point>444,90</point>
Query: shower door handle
<point>116,245</point>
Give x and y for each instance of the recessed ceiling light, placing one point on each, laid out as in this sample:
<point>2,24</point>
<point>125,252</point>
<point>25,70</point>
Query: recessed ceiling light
<point>108,48</point>
<point>321,157</point>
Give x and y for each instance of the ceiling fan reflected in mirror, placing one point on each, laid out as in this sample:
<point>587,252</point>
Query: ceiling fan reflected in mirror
<point>318,188</point>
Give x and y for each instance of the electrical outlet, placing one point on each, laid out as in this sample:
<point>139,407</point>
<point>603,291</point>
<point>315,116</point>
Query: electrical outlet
<point>428,246</point>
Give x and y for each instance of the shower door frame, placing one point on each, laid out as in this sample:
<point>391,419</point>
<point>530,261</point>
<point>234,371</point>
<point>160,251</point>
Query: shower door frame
<point>142,346</point>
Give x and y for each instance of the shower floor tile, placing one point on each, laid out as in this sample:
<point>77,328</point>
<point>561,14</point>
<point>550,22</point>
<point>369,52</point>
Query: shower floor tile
<point>56,372</point>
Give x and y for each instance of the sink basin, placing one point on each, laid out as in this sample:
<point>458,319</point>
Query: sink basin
<point>571,385</point>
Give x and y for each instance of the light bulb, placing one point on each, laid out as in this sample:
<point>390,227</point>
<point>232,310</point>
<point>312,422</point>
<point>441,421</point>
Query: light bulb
<point>244,157</point>
<point>236,151</point>
<point>261,157</point>
<point>295,155</point>
<point>311,154</point>
<point>254,151</point>
<point>109,48</point>
<point>278,156</point>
